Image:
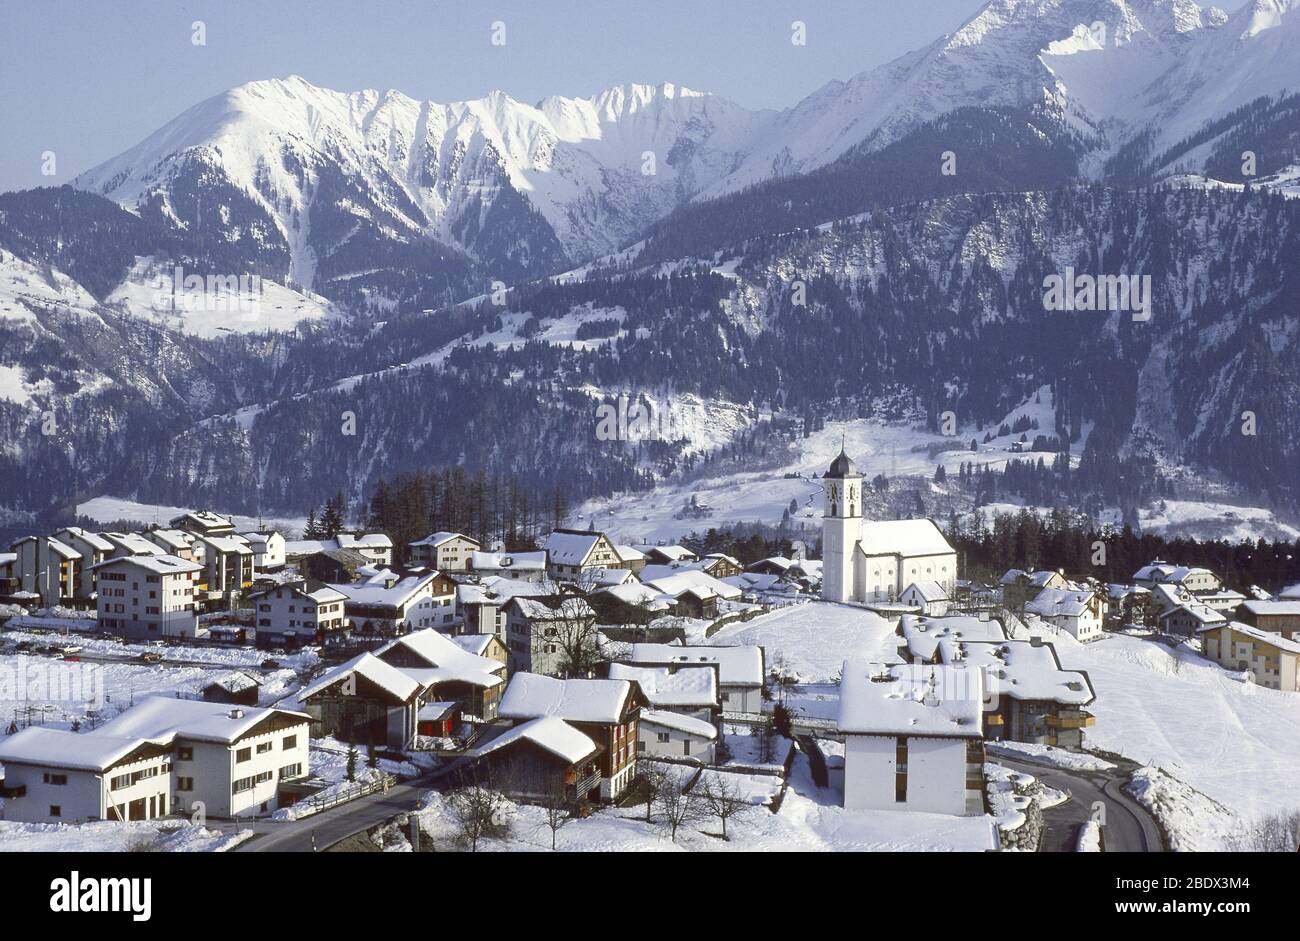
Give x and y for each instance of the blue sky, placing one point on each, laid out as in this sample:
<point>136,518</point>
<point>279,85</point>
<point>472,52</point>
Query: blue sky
<point>89,79</point>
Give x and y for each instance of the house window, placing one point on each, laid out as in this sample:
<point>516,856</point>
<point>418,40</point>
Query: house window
<point>55,778</point>
<point>243,754</point>
<point>56,810</point>
<point>264,747</point>
<point>290,741</point>
<point>185,753</point>
<point>184,784</point>
<point>661,737</point>
<point>900,769</point>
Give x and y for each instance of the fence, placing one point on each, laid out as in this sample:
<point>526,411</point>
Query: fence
<point>314,805</point>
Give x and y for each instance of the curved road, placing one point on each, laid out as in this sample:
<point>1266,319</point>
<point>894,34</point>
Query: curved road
<point>1128,827</point>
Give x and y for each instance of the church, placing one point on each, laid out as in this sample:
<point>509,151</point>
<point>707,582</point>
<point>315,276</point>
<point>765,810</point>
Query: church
<point>869,561</point>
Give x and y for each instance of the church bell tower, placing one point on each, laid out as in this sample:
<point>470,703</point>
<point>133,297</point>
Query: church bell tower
<point>841,527</point>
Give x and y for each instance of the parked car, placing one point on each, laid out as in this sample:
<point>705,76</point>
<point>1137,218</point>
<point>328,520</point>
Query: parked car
<point>270,664</point>
<point>150,656</point>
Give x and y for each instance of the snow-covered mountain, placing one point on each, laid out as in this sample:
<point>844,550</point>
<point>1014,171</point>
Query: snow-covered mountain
<point>520,188</point>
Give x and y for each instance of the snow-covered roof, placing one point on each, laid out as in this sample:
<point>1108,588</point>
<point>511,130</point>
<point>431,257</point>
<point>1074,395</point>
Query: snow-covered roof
<point>448,660</point>
<point>135,543</point>
<point>158,564</point>
<point>1164,572</point>
<point>231,543</point>
<point>1201,612</point>
<point>629,553</point>
<point>570,607</point>
<point>1290,592</point>
<point>159,718</point>
<point>569,547</point>
<point>700,583</point>
<point>62,548</point>
<point>387,677</point>
<point>1259,636</point>
<point>1060,602</point>
<point>548,732</point>
<point>94,540</point>
<point>476,644</point>
<point>671,553</point>
<point>386,589</point>
<point>903,537</point>
<point>927,591</point>
<point>1273,608</point>
<point>634,593</point>
<point>432,711</point>
<point>235,681</point>
<point>737,666</point>
<point>7,558</point>
<point>171,539</point>
<point>666,686</point>
<point>58,748</point>
<point>513,561</point>
<point>364,541</point>
<point>205,518</point>
<point>679,722</point>
<point>1021,669</point>
<point>923,634</point>
<point>578,700</point>
<point>438,538</point>
<point>260,539</point>
<point>911,699</point>
<point>497,589</point>
<point>317,591</point>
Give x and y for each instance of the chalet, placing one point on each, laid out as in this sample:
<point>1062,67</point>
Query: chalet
<point>449,672</point>
<point>605,711</point>
<point>1190,619</point>
<point>544,759</point>
<point>1272,660</point>
<point>333,565</point>
<point>682,709</point>
<point>387,604</point>
<point>694,593</point>
<point>375,548</point>
<point>929,598</point>
<point>633,559</point>
<point>630,603</point>
<point>517,566</point>
<point>542,634</point>
<point>162,755</point>
<point>1275,617</point>
<point>296,613</point>
<point>1189,577</point>
<point>1225,600</point>
<point>93,549</point>
<point>913,737</point>
<point>740,670</point>
<point>147,596</point>
<point>666,555</point>
<point>204,523</point>
<point>377,698</point>
<point>236,688</point>
<point>1081,614</point>
<point>446,552</point>
<point>571,552</point>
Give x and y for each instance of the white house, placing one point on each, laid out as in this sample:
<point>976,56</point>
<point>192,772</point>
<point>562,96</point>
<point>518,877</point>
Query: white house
<point>482,606</point>
<point>268,550</point>
<point>540,636</point>
<point>47,567</point>
<point>446,552</point>
<point>93,549</point>
<point>674,735</point>
<point>376,548</point>
<point>147,596</point>
<point>306,610</point>
<point>865,561</point>
<point>389,604</point>
<point>570,552</point>
<point>1190,577</point>
<point>1080,614</point>
<point>1272,660</point>
<point>913,737</point>
<point>161,755</point>
<point>518,566</point>
<point>929,597</point>
<point>740,670</point>
<point>178,542</point>
<point>683,709</point>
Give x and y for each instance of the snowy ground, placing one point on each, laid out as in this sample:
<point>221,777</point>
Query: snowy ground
<point>809,820</point>
<point>110,509</point>
<point>811,641</point>
<point>109,837</point>
<point>1237,743</point>
<point>1049,755</point>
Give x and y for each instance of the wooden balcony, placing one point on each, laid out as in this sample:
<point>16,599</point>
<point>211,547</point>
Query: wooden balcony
<point>1079,721</point>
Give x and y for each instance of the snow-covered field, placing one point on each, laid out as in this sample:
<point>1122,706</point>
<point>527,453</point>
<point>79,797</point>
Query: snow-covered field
<point>809,642</point>
<point>110,837</point>
<point>1237,743</point>
<point>110,509</point>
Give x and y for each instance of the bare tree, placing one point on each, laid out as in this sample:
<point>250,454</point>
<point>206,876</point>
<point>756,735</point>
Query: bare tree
<point>722,798</point>
<point>477,810</point>
<point>558,810</point>
<point>571,628</point>
<point>653,782</point>
<point>1275,833</point>
<point>679,806</point>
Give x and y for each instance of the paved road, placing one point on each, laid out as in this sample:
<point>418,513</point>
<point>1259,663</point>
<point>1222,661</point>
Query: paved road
<point>338,823</point>
<point>1128,827</point>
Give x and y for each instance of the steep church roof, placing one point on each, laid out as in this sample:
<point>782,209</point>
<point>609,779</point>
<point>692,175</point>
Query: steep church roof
<point>842,466</point>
